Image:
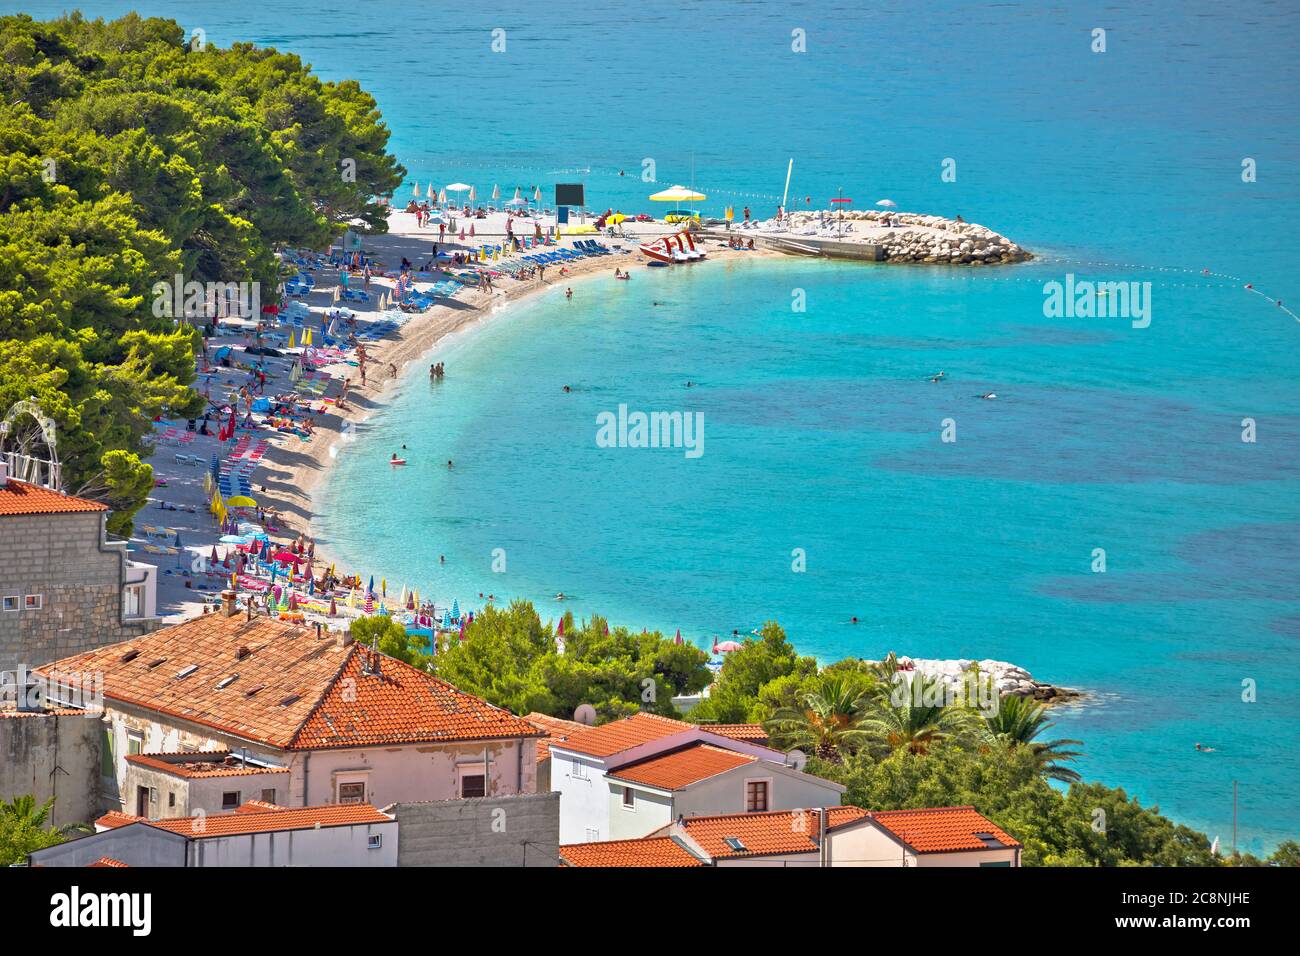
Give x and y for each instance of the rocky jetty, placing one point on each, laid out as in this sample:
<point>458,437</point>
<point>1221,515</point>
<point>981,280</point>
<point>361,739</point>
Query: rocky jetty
<point>912,237</point>
<point>1009,679</point>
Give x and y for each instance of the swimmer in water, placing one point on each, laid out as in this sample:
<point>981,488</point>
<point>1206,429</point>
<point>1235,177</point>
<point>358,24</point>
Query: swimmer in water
<point>442,559</point>
<point>559,596</point>
<point>1204,749</point>
<point>989,395</point>
<point>567,389</point>
<point>690,384</point>
<point>568,293</point>
<point>448,464</point>
<point>939,377</point>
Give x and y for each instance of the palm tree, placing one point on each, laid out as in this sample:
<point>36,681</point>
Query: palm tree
<point>827,719</point>
<point>24,812</point>
<point>1018,721</point>
<point>912,714</point>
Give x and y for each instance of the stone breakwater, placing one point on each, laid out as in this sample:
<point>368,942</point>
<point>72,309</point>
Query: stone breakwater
<point>913,237</point>
<point>1008,679</point>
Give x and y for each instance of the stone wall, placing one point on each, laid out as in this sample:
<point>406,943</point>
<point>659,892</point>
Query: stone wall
<point>488,831</point>
<point>52,755</point>
<point>65,559</point>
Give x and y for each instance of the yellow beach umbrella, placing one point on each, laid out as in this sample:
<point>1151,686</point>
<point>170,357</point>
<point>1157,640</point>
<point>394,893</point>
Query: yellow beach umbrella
<point>291,342</point>
<point>678,194</point>
<point>242,501</point>
<point>306,337</point>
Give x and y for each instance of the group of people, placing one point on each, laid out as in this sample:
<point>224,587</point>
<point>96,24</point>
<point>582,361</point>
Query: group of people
<point>735,242</point>
<point>436,372</point>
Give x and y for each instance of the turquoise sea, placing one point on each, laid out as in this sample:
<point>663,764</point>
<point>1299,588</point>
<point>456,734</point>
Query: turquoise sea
<point>822,432</point>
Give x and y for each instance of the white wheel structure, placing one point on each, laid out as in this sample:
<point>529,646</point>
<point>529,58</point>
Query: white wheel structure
<point>14,447</point>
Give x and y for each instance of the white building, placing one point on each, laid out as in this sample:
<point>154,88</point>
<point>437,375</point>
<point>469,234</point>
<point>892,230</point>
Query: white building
<point>628,778</point>
<point>257,834</point>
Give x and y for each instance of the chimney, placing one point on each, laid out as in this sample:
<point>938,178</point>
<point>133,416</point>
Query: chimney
<point>228,603</point>
<point>343,638</point>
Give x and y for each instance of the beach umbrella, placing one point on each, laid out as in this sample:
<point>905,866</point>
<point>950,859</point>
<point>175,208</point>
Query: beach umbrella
<point>177,542</point>
<point>232,539</point>
<point>678,638</point>
<point>334,608</point>
<point>416,190</point>
<point>473,194</point>
<point>559,630</point>
<point>371,589</point>
<point>429,191</point>
<point>728,646</point>
<point>519,198</point>
<point>537,194</point>
<point>352,597</point>
<point>887,203</point>
<point>369,607</point>
<point>496,191</point>
<point>455,610</point>
<point>410,601</point>
<point>288,557</point>
<point>213,557</point>
<point>383,586</point>
<point>677,194</point>
<point>402,597</point>
<point>241,501</point>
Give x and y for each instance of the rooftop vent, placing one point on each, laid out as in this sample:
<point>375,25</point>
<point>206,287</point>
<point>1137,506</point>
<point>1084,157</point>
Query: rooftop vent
<point>130,655</point>
<point>291,699</point>
<point>160,661</point>
<point>242,652</point>
<point>186,671</point>
<point>227,681</point>
<point>253,690</point>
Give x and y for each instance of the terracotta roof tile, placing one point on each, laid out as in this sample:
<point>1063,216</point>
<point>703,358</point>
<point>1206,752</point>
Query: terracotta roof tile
<point>20,498</point>
<point>292,690</point>
<point>220,763</point>
<point>259,820</point>
<point>751,732</point>
<point>764,834</point>
<point>682,767</point>
<point>619,735</point>
<point>555,728</point>
<point>650,851</point>
<point>943,829</point>
<point>107,861</point>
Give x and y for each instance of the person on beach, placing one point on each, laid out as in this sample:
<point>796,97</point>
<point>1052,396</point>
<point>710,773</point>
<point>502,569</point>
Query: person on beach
<point>746,214</point>
<point>568,293</point>
<point>392,370</point>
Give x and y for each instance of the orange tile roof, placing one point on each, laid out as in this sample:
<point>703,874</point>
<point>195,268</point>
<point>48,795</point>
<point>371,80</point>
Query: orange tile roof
<point>20,498</point>
<point>751,732</point>
<point>290,689</point>
<point>764,834</point>
<point>259,820</point>
<point>555,728</point>
<point>619,735</point>
<point>942,829</point>
<point>106,861</point>
<point>649,851</point>
<point>682,767</point>
<point>221,764</point>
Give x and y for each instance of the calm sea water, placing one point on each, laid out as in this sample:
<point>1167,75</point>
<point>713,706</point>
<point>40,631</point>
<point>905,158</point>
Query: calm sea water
<point>821,430</point>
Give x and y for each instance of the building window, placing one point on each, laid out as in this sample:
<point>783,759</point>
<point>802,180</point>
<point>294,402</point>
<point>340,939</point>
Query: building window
<point>579,770</point>
<point>133,601</point>
<point>997,863</point>
<point>230,800</point>
<point>352,792</point>
<point>755,796</point>
<point>171,799</point>
<point>268,796</point>
<point>32,602</point>
<point>134,743</point>
<point>375,841</point>
<point>593,834</point>
<point>473,780</point>
<point>629,799</point>
<point>9,602</point>
<point>107,753</point>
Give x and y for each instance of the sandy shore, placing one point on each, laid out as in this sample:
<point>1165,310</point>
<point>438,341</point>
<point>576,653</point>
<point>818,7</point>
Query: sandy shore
<point>292,467</point>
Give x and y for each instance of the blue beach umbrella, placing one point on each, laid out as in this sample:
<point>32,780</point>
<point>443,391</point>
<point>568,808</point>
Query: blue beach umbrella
<point>371,589</point>
<point>455,610</point>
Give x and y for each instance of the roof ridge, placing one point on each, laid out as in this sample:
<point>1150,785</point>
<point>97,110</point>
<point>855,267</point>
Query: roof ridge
<point>326,690</point>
